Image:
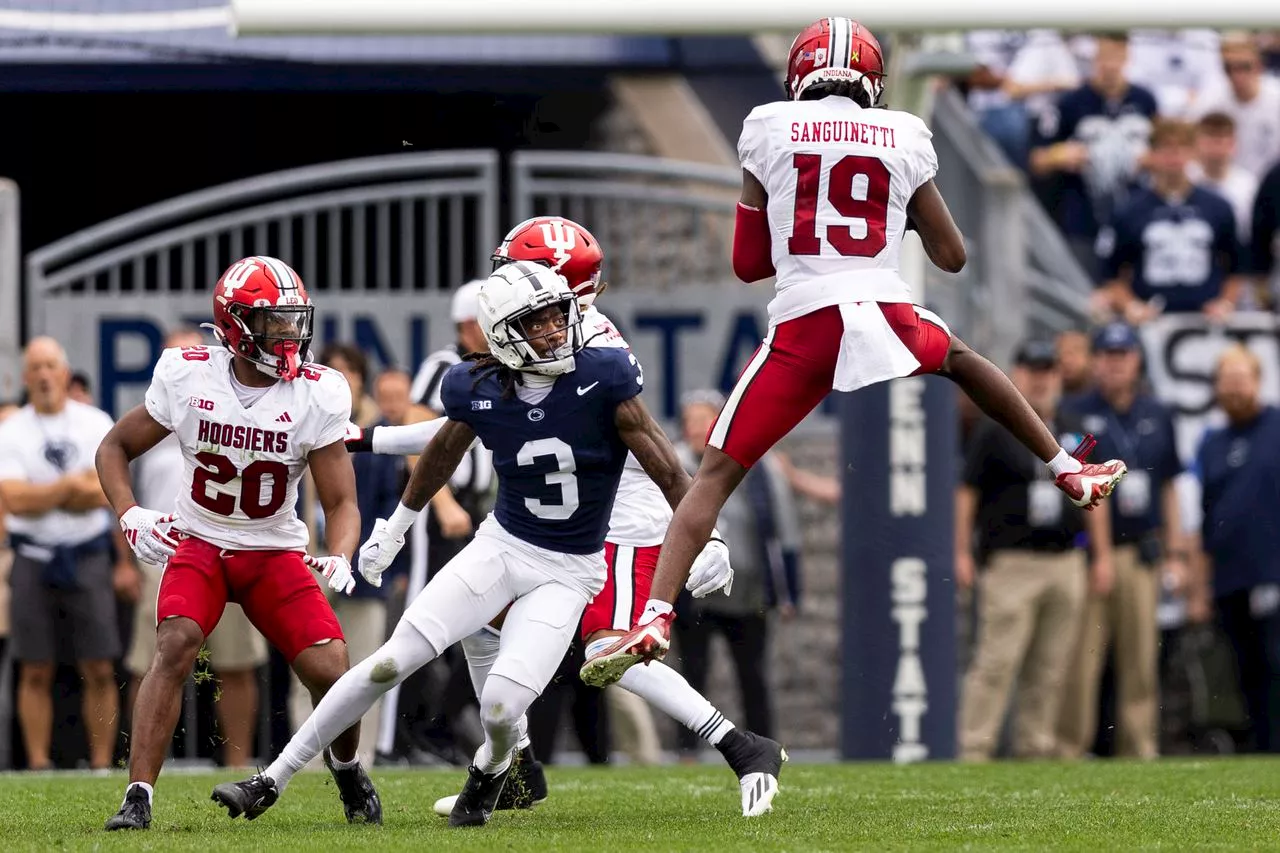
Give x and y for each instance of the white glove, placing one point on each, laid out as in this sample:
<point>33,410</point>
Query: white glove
<point>150,534</point>
<point>377,553</point>
<point>711,570</point>
<point>336,570</point>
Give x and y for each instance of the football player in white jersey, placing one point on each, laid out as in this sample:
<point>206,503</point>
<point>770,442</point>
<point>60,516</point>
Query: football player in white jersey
<point>830,184</point>
<point>250,416</point>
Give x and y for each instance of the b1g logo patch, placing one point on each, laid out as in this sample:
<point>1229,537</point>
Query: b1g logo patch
<point>481,405</point>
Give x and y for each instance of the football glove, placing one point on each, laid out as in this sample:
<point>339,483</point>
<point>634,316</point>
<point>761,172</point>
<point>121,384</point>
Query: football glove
<point>379,551</point>
<point>336,570</point>
<point>150,534</point>
<point>711,570</point>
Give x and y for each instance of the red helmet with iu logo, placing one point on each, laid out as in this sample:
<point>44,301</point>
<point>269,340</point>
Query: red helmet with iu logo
<point>833,51</point>
<point>561,244</point>
<point>261,313</point>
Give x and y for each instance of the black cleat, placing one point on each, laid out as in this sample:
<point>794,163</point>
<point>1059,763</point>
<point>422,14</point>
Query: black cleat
<point>757,762</point>
<point>135,812</point>
<point>479,797</point>
<point>526,786</point>
<point>359,799</point>
<point>250,798</point>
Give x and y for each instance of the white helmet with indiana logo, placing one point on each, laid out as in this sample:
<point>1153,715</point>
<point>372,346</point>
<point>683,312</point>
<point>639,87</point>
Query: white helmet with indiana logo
<point>514,317</point>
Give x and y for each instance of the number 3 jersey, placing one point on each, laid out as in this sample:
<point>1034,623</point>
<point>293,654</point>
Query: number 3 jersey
<point>559,461</point>
<point>242,465</point>
<point>839,178</point>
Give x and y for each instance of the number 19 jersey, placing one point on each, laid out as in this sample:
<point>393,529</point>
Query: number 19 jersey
<point>839,178</point>
<point>242,465</point>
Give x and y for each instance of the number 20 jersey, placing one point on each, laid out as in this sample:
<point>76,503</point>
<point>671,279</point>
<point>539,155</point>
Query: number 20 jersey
<point>242,466</point>
<point>839,178</point>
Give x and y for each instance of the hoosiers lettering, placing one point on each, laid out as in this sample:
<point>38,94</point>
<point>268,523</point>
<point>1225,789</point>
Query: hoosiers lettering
<point>843,131</point>
<point>241,437</point>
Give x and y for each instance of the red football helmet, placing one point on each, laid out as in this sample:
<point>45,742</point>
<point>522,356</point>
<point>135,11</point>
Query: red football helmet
<point>835,50</point>
<point>261,313</point>
<point>561,244</point>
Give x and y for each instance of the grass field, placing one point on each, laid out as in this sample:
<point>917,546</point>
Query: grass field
<point>1222,804</point>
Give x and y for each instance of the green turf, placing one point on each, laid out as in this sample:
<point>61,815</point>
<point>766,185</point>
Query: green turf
<point>1221,804</point>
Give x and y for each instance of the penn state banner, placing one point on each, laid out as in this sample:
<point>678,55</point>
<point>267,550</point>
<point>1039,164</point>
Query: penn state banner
<point>1182,351</point>
<point>898,443</point>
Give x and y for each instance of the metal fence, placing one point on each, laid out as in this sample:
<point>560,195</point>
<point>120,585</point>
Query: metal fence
<point>666,223</point>
<point>406,222</point>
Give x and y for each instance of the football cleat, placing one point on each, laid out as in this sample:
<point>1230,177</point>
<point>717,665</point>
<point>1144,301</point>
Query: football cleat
<point>355,788</point>
<point>250,798</point>
<point>526,787</point>
<point>135,812</point>
<point>641,644</point>
<point>1089,486</point>
<point>757,762</point>
<point>479,797</point>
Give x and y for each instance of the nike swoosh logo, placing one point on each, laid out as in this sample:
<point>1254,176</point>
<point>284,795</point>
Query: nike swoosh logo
<point>582,390</point>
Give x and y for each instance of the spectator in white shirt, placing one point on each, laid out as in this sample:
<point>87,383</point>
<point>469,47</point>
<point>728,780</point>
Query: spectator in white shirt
<point>1179,66</point>
<point>1252,99</point>
<point>1214,168</point>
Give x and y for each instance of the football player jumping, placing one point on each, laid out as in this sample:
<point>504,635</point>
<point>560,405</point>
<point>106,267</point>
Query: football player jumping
<point>251,416</point>
<point>559,418</point>
<point>829,186</point>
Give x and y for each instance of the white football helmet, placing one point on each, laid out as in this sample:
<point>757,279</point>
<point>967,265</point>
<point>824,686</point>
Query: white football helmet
<point>512,294</point>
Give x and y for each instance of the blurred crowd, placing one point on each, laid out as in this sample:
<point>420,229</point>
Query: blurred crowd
<point>1157,152</point>
<point>1150,626</point>
<point>77,611</point>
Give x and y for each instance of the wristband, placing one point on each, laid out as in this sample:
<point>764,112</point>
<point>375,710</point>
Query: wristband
<point>401,520</point>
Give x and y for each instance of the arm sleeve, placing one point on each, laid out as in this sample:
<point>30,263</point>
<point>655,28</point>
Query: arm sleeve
<point>455,394</point>
<point>925,159</point>
<point>752,144</point>
<point>628,376</point>
<point>335,397</point>
<point>408,439</point>
<point>159,401</point>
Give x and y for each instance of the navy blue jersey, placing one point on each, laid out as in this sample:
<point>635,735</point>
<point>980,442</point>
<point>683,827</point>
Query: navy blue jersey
<point>1239,471</point>
<point>1181,251</point>
<point>1116,134</point>
<point>1144,438</point>
<point>558,462</point>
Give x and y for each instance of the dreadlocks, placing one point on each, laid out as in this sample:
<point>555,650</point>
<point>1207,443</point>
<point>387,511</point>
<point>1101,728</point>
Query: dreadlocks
<point>485,366</point>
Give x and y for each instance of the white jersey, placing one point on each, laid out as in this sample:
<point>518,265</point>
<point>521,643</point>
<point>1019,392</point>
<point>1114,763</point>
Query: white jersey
<point>640,511</point>
<point>839,178</point>
<point>239,485</point>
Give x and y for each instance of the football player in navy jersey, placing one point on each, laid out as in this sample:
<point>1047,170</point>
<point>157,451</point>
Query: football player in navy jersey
<point>1172,246</point>
<point>559,419</point>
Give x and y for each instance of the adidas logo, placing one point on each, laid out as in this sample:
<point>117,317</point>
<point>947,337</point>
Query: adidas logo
<point>284,419</point>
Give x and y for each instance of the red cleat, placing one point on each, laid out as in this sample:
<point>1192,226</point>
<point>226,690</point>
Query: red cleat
<point>1092,483</point>
<point>641,644</point>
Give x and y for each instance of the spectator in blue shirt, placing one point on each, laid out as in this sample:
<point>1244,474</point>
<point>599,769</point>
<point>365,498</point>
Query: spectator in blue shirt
<point>1146,536</point>
<point>1092,146</point>
<point>1172,246</point>
<point>1239,470</point>
<point>1264,235</point>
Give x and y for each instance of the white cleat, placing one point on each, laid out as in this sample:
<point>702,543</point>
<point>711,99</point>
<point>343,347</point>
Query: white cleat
<point>444,805</point>
<point>758,791</point>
